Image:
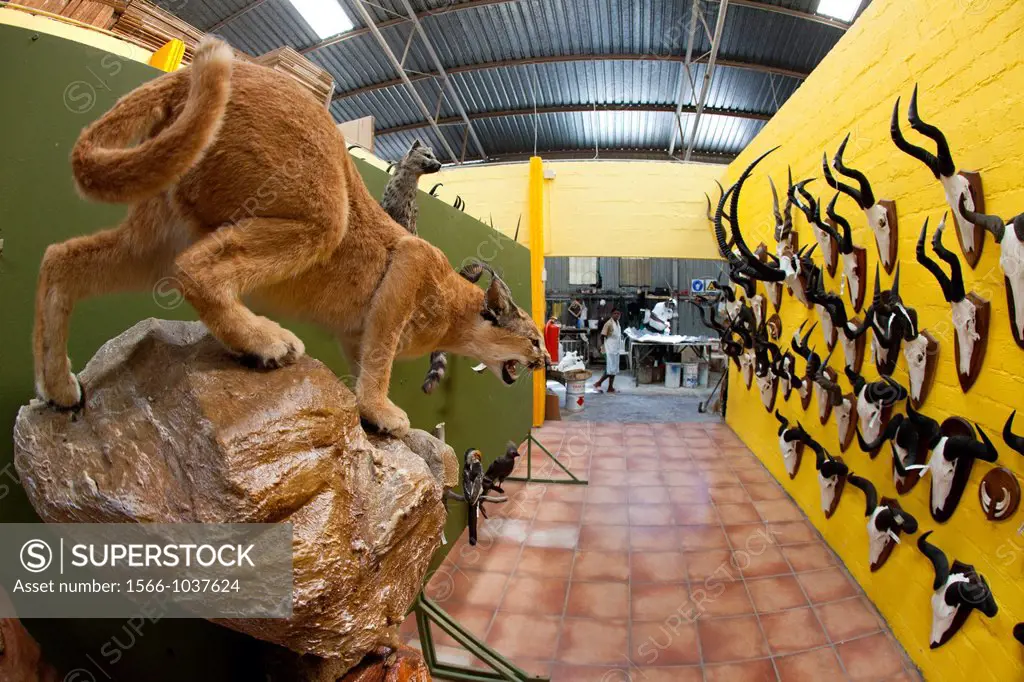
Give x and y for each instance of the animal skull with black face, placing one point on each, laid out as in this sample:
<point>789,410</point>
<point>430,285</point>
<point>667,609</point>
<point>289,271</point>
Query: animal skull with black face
<point>791,442</point>
<point>872,399</point>
<point>886,520</point>
<point>831,476</point>
<point>959,590</point>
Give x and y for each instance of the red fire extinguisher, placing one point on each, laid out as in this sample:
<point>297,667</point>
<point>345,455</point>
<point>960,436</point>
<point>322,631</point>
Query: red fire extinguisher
<point>552,330</point>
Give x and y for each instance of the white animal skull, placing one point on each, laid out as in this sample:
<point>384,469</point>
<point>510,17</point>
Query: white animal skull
<point>852,276</point>
<point>916,354</point>
<point>828,491</point>
<point>966,323</point>
<point>843,412</point>
<point>953,187</point>
<point>788,453</point>
<point>878,220</point>
<point>766,386</point>
<point>870,416</point>
<point>942,472</point>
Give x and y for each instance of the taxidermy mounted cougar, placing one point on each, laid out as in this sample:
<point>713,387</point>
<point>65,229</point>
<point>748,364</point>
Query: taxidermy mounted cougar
<point>207,213</point>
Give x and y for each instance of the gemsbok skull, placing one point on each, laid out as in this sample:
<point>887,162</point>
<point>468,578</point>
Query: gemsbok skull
<point>959,589</point>
<point>1011,259</point>
<point>886,520</point>
<point>832,473</point>
<point>970,311</point>
<point>791,444</point>
<point>880,213</point>
<point>874,404</point>
<point>954,184</point>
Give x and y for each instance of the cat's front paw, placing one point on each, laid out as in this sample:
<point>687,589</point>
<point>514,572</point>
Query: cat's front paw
<point>385,417</point>
<point>62,391</point>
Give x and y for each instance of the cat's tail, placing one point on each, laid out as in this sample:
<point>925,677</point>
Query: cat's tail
<point>108,168</point>
<point>438,367</point>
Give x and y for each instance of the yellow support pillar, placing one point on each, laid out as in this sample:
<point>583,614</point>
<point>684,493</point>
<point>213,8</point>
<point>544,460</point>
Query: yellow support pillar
<point>535,204</point>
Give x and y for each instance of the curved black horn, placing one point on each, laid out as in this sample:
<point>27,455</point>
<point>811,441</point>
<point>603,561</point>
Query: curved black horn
<point>867,197</point>
<point>708,212</point>
<point>1010,438</point>
<point>944,166</point>
<point>956,274</point>
<point>932,266</point>
<point>434,188</point>
<point>836,184</point>
<point>989,452</point>
<point>993,224</point>
<point>846,240</point>
<point>784,423</point>
<point>918,153</point>
<point>776,211</point>
<point>869,492</point>
<point>939,561</point>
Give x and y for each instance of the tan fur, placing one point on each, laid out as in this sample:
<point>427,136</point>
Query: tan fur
<point>242,187</point>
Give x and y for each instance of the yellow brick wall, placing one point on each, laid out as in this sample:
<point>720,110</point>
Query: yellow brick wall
<point>968,57</point>
<point>607,208</point>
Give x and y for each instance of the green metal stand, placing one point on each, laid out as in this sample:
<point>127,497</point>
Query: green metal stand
<point>572,480</point>
<point>502,670</point>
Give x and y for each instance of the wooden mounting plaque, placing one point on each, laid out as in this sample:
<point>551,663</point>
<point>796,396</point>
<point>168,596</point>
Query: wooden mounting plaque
<point>983,315</point>
<point>851,428</point>
<point>861,258</point>
<point>931,365</point>
<point>973,179</point>
<point>999,479</point>
<point>1011,306</point>
<point>833,260</point>
<point>824,401</point>
<point>840,486</point>
<point>806,394</point>
<point>799,455</point>
<point>912,477</point>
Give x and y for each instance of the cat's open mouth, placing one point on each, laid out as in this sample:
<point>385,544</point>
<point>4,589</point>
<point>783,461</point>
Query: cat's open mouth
<point>509,371</point>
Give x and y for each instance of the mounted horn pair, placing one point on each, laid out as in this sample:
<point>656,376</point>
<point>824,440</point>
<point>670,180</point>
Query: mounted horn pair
<point>854,258</point>
<point>1011,259</point>
<point>729,346</point>
<point>822,234</point>
<point>910,437</point>
<point>954,184</point>
<point>874,404</point>
<point>970,312</point>
<point>959,589</point>
<point>954,448</point>
<point>891,323</point>
<point>886,520</point>
<point>766,356</point>
<point>791,443</point>
<point>832,473</point>
<point>881,214</point>
<point>800,347</point>
<point>847,335</point>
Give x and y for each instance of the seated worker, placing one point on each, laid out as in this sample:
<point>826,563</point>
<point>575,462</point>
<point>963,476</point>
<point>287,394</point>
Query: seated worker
<point>611,343</point>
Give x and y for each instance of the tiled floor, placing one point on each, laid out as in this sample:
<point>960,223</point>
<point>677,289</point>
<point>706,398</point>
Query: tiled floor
<point>682,560</point>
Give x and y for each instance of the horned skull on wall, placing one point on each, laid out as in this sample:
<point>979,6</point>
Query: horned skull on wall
<point>852,341</point>
<point>874,404</point>
<point>891,323</point>
<point>909,437</point>
<point>726,332</point>
<point>954,184</point>
<point>832,473</point>
<point>922,356</point>
<point>766,356</point>
<point>1011,259</point>
<point>822,234</point>
<point>846,420</point>
<point>954,448</point>
<point>800,347</point>
<point>855,258</point>
<point>830,394</point>
<point>970,311</point>
<point>886,520</point>
<point>791,443</point>
<point>881,214</point>
<point>959,589</point>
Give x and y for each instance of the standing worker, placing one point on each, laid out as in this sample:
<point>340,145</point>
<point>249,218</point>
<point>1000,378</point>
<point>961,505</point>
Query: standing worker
<point>661,317</point>
<point>611,339</point>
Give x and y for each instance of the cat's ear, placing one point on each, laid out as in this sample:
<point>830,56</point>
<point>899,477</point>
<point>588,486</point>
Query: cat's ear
<point>415,145</point>
<point>498,299</point>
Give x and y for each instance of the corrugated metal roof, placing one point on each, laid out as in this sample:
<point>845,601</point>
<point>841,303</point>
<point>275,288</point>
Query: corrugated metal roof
<point>508,56</point>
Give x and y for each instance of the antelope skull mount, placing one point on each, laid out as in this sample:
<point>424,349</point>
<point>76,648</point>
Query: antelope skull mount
<point>791,443</point>
<point>886,520</point>
<point>970,312</point>
<point>855,259</point>
<point>891,323</point>
<point>874,403</point>
<point>954,184</point>
<point>922,356</point>
<point>909,437</point>
<point>1011,259</point>
<point>832,473</point>
<point>959,589</point>
<point>881,214</point>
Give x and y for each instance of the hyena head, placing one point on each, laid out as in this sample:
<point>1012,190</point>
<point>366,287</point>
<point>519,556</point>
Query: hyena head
<point>503,336</point>
<point>420,159</point>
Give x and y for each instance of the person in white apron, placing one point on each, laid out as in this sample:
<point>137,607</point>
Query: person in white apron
<point>611,341</point>
<point>660,319</point>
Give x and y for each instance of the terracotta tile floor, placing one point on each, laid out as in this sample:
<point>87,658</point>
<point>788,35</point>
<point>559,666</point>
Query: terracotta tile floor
<point>682,560</point>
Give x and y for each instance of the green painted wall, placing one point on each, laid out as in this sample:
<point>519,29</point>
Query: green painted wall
<point>52,88</point>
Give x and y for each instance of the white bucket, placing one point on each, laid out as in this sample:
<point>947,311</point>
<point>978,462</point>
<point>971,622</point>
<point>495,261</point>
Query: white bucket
<point>691,374</point>
<point>574,392</point>
<point>673,374</point>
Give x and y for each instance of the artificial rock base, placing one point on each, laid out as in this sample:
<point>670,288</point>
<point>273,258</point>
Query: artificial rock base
<point>174,430</point>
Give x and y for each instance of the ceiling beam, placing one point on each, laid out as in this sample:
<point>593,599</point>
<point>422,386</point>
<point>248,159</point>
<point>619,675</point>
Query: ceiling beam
<point>799,14</point>
<point>716,42</point>
<point>469,68</point>
<point>618,153</point>
<point>572,108</point>
<point>356,32</point>
<point>248,7</point>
